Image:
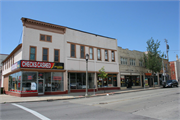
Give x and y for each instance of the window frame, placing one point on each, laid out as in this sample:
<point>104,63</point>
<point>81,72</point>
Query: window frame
<point>84,51</point>
<point>123,60</point>
<point>100,54</point>
<point>112,51</point>
<point>74,50</point>
<point>30,52</point>
<point>105,56</point>
<point>58,55</point>
<point>92,53</point>
<point>133,62</point>
<point>47,54</point>
<point>140,63</point>
<point>45,38</point>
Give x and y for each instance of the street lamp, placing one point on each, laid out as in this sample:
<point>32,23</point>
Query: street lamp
<point>87,57</point>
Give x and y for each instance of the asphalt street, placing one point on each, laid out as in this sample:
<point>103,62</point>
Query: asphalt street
<point>158,104</point>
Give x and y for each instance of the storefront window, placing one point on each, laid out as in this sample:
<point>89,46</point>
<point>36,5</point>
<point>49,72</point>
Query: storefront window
<point>78,80</point>
<point>47,81</point>
<point>57,81</point>
<point>155,80</point>
<point>136,80</point>
<point>29,82</point>
<point>15,82</point>
<point>123,82</point>
<point>110,81</point>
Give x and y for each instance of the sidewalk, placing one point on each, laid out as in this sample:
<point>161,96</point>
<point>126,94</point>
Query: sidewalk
<point>13,99</point>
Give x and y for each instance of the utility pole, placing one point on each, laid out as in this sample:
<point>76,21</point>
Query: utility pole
<point>167,50</point>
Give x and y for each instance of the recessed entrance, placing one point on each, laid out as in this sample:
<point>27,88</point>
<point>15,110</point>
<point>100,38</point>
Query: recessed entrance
<point>41,86</point>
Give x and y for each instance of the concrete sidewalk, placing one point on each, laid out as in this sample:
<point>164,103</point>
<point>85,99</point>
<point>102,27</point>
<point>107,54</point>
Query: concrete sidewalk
<point>13,99</point>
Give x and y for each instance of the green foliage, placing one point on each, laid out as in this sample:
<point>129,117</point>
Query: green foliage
<point>153,58</point>
<point>102,73</point>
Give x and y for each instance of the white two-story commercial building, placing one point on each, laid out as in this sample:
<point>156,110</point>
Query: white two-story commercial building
<point>51,60</point>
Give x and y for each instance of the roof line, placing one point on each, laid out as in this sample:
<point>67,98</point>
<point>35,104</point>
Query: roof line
<point>15,50</point>
<point>70,28</point>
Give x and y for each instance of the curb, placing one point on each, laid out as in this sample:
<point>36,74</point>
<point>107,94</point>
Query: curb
<point>81,97</point>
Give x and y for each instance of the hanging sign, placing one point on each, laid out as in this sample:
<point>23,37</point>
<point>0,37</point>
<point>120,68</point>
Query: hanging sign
<point>33,86</point>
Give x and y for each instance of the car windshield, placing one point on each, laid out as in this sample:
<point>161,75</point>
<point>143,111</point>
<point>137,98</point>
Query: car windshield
<point>169,81</point>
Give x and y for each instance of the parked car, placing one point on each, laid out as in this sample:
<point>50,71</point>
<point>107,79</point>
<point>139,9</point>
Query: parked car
<point>170,83</point>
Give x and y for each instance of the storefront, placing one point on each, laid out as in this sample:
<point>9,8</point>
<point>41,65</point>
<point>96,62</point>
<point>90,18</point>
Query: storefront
<point>130,81</point>
<point>36,78</point>
<point>110,81</point>
<point>78,82</point>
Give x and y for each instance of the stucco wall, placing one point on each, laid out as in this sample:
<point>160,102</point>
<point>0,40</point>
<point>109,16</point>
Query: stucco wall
<point>31,37</point>
<point>89,40</point>
<point>125,53</point>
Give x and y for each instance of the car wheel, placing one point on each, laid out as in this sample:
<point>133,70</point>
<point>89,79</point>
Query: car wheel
<point>172,86</point>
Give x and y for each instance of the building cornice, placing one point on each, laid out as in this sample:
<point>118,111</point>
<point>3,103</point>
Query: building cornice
<point>29,23</point>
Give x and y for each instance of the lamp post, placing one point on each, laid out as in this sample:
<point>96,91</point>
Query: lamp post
<point>87,57</point>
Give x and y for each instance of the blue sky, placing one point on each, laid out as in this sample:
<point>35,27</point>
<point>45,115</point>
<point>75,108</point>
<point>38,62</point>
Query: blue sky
<point>132,23</point>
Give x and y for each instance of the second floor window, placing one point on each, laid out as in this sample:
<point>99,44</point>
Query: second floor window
<point>82,52</point>
<point>56,55</point>
<point>32,53</point>
<point>140,63</point>
<point>106,55</point>
<point>73,50</point>
<point>123,61</point>
<point>99,54</point>
<point>45,54</point>
<point>132,62</point>
<point>90,53</point>
<point>46,38</point>
<point>113,56</point>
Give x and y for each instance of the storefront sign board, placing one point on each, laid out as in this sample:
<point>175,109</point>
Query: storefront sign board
<point>15,66</point>
<point>41,65</point>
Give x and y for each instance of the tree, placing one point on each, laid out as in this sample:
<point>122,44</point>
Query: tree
<point>103,75</point>
<point>153,58</point>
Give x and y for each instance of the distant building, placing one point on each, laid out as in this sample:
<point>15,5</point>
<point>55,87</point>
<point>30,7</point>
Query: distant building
<point>175,69</point>
<point>2,57</point>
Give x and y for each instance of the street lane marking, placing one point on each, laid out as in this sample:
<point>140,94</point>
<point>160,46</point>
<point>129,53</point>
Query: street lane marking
<point>32,112</point>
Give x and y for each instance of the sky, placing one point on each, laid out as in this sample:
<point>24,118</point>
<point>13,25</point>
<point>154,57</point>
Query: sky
<point>131,22</point>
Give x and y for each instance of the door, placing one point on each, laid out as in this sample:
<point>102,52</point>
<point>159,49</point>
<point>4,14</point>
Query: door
<point>40,86</point>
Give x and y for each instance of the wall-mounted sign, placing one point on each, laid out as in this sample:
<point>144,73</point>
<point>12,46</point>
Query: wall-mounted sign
<point>42,65</point>
<point>148,74</point>
<point>15,66</point>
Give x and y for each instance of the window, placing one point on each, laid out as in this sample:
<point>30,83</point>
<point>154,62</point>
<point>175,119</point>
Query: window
<point>82,51</point>
<point>56,55</point>
<point>123,61</point>
<point>13,59</point>
<point>46,38</point>
<point>99,54</point>
<point>132,62</point>
<point>91,55</point>
<point>32,55</point>
<point>45,54</point>
<point>106,55</point>
<point>113,56</point>
<point>73,50</point>
<point>140,63</point>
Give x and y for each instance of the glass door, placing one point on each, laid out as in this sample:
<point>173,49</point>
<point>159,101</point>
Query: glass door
<point>40,87</point>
